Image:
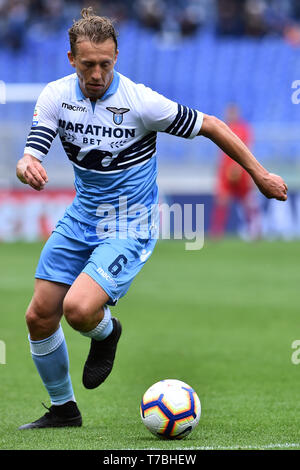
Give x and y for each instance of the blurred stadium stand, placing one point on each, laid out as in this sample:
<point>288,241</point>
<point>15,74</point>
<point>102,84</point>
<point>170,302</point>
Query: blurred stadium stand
<point>202,53</point>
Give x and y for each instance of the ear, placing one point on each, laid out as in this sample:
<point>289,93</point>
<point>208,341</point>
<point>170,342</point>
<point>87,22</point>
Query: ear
<point>71,58</point>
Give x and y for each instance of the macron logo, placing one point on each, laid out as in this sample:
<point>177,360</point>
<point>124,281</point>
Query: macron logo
<point>107,276</point>
<point>72,107</point>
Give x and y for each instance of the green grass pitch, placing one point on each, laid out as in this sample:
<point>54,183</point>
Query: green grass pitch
<point>222,319</point>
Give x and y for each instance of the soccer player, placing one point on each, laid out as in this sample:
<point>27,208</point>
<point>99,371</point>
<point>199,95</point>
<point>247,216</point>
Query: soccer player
<point>108,127</point>
<point>235,183</point>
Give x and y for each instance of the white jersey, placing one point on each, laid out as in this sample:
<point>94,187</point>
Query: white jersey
<point>111,143</point>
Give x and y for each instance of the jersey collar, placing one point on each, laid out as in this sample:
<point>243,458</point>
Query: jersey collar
<point>113,87</point>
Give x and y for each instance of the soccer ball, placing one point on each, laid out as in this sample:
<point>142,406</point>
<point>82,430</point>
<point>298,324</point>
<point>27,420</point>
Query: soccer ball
<point>170,409</point>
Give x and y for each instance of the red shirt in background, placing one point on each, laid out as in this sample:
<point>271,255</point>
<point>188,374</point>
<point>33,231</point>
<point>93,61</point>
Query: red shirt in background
<point>232,179</point>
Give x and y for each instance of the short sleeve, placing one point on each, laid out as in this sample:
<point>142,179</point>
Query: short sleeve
<point>44,124</point>
<point>160,114</point>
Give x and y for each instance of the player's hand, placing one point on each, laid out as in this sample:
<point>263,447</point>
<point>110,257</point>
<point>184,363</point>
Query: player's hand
<point>30,171</point>
<point>272,186</point>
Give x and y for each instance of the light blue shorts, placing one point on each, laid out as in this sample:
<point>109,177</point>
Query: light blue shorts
<point>74,247</point>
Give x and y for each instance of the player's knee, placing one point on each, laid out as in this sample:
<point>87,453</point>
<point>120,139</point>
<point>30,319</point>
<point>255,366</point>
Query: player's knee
<point>31,318</point>
<point>76,313</point>
<point>38,320</point>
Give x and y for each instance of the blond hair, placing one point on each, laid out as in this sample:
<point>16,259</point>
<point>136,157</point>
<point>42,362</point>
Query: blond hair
<point>92,27</point>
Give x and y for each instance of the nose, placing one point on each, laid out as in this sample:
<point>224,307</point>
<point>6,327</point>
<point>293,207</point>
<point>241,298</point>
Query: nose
<point>97,74</point>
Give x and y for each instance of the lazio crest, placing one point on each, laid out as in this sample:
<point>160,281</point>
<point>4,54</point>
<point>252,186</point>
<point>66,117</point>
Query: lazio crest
<point>118,114</point>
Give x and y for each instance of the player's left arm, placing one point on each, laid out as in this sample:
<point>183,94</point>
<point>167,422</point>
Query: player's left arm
<point>271,185</point>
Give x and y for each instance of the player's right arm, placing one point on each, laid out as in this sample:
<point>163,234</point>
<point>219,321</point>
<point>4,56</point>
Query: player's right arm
<point>43,130</point>
<point>30,171</point>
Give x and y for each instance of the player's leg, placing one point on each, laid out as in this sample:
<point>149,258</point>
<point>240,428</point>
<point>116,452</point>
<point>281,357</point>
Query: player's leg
<point>252,215</point>
<point>86,311</point>
<point>45,309</point>
<point>219,217</point>
<point>61,260</point>
<point>221,201</point>
<point>107,276</point>
<point>49,353</point>
<point>84,303</point>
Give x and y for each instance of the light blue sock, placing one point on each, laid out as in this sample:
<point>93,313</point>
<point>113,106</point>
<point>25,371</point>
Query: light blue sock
<point>103,329</point>
<point>51,358</point>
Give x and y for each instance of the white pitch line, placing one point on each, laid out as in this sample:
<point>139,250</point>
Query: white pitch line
<point>285,445</point>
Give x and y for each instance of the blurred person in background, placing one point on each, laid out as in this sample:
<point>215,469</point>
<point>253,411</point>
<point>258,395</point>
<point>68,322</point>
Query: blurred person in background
<point>230,20</point>
<point>20,19</point>
<point>150,13</point>
<point>14,17</point>
<point>254,18</point>
<point>235,184</point>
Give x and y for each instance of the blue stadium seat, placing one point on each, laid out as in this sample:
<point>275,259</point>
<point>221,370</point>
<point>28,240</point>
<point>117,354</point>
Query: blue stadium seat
<point>202,71</point>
